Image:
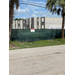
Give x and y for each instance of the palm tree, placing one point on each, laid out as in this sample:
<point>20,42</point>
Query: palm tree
<point>52,5</point>
<point>11,12</point>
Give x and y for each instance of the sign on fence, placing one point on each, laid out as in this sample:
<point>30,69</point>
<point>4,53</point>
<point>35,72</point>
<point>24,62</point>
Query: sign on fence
<point>32,30</point>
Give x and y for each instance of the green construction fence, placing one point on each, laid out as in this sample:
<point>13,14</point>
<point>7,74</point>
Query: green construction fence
<point>39,34</point>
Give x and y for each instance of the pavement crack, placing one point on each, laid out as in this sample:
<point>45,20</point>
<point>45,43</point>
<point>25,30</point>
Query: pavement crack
<point>11,72</point>
<point>29,57</point>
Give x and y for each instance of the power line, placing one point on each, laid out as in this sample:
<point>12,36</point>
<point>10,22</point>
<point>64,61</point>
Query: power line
<point>32,2</point>
<point>33,5</point>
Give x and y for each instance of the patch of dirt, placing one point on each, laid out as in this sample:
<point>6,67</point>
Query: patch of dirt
<point>11,45</point>
<point>58,41</point>
<point>22,43</point>
<point>27,46</point>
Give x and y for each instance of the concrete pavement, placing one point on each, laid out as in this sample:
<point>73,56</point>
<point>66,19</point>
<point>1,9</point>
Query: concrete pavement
<point>49,60</point>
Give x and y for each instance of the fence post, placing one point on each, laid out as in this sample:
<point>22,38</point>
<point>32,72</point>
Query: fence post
<point>16,34</point>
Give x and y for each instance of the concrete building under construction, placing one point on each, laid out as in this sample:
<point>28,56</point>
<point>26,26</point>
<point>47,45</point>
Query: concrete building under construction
<point>38,23</point>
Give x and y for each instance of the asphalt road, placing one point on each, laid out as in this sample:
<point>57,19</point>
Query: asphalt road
<point>48,60</point>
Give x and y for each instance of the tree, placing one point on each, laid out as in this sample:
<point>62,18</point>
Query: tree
<point>9,3</point>
<point>16,18</point>
<point>52,5</point>
<point>11,12</point>
<point>20,19</point>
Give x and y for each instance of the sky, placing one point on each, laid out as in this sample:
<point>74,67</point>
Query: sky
<point>28,11</point>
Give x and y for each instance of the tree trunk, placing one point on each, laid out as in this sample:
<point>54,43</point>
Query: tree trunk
<point>9,33</point>
<point>63,23</point>
<point>11,10</point>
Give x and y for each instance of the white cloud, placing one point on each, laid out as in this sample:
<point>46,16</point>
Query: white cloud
<point>23,17</point>
<point>21,11</point>
<point>27,10</point>
<point>41,2</point>
<point>32,7</point>
<point>36,12</point>
<point>34,15</point>
<point>48,13</point>
<point>16,15</point>
<point>41,13</point>
<point>32,11</point>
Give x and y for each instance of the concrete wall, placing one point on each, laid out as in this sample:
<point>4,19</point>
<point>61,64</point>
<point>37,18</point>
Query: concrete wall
<point>37,25</point>
<point>49,23</point>
<point>17,24</point>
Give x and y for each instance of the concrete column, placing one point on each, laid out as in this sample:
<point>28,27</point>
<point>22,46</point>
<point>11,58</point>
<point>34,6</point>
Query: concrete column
<point>35,23</point>
<point>21,24</point>
<point>39,23</point>
<point>26,23</point>
<point>16,24</point>
<point>30,23</point>
<point>19,27</point>
<point>13,25</point>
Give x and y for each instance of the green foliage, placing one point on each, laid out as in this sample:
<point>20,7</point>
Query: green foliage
<point>41,43</point>
<point>57,6</point>
<point>20,19</point>
<point>16,18</point>
<point>52,5</point>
